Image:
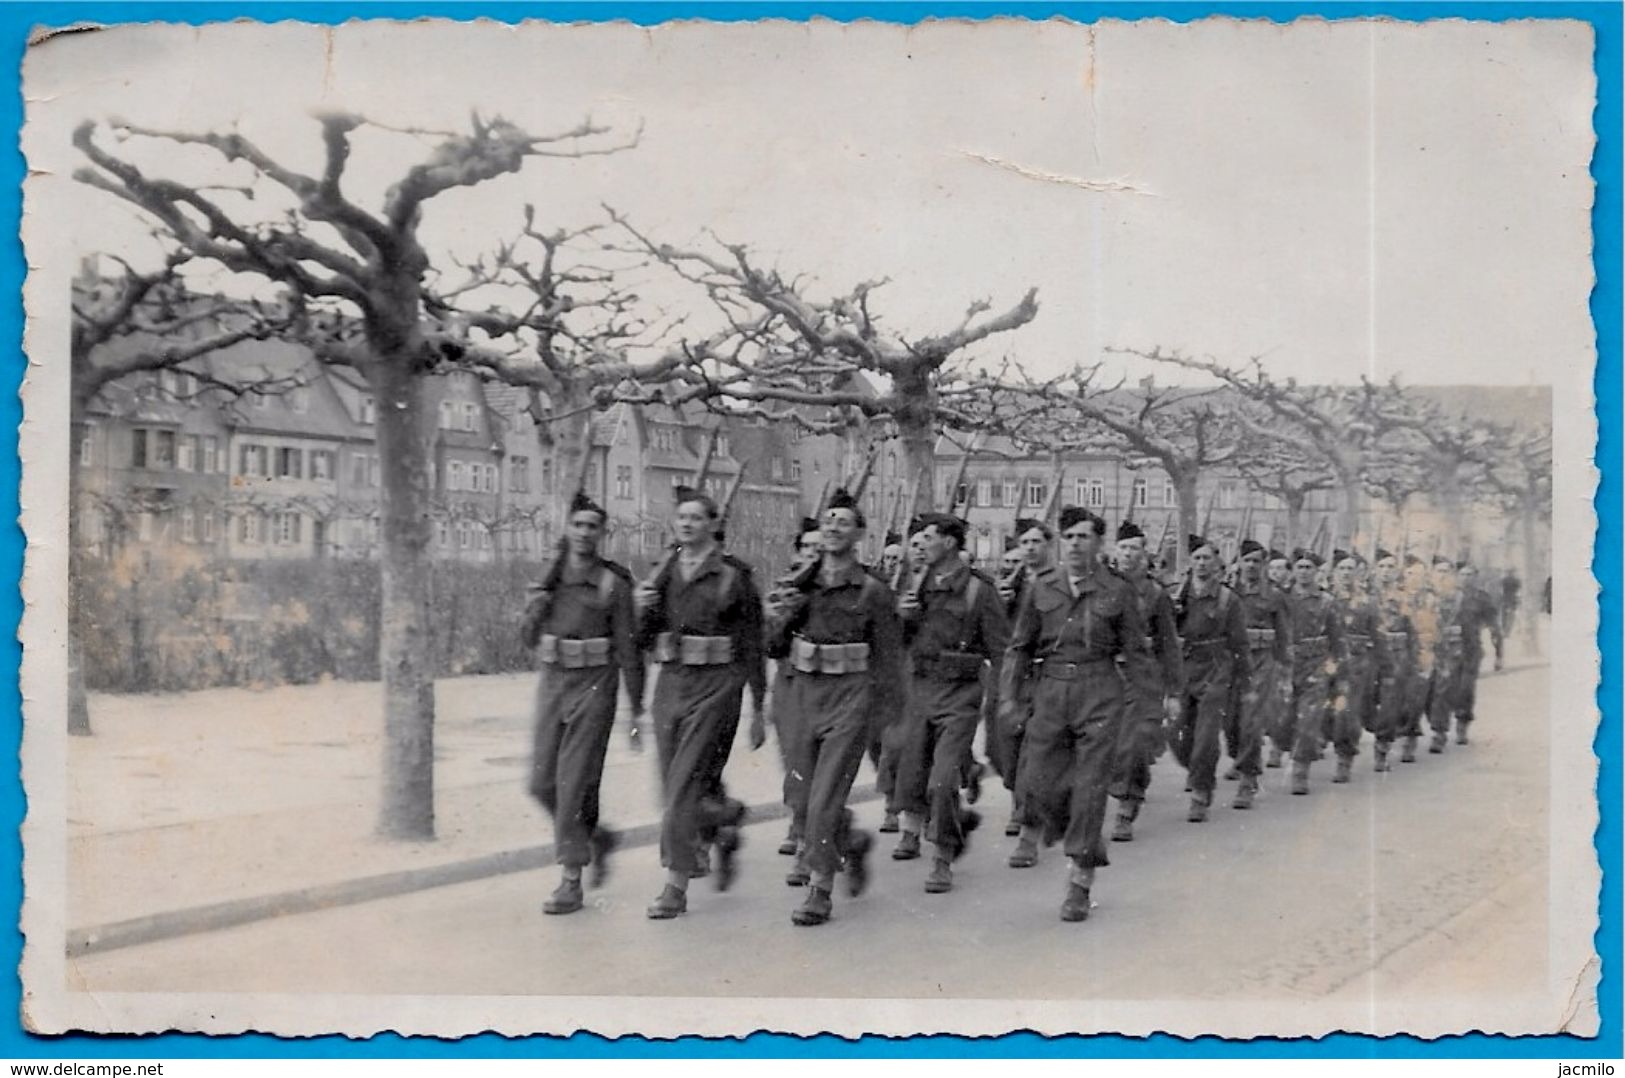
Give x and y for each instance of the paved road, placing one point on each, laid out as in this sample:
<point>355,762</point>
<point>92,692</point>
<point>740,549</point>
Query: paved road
<point>1431,877</point>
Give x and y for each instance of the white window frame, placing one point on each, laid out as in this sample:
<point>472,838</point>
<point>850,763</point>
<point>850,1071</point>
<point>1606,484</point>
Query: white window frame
<point>1080,491</point>
<point>369,410</point>
<point>454,475</point>
<point>470,415</point>
<point>1140,493</point>
<point>206,525</point>
<point>1170,496</point>
<point>1097,494</point>
<point>1035,493</point>
<point>188,526</point>
<point>984,492</point>
<point>795,471</point>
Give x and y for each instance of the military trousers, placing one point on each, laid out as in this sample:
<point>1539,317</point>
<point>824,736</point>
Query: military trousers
<point>574,715</point>
<point>1347,715</point>
<point>1203,718</point>
<point>1256,712</point>
<point>696,713</point>
<point>1066,758</point>
<point>1311,695</point>
<point>939,726</point>
<point>833,728</point>
<point>1139,743</point>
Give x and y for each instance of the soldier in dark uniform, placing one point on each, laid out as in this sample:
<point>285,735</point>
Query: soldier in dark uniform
<point>954,626</point>
<point>1214,633</point>
<point>1141,739</point>
<point>1032,546</point>
<point>1422,609</point>
<point>1073,625</point>
<point>1259,710</point>
<point>841,634</point>
<point>1479,613</point>
<point>1278,572</point>
<point>701,617</point>
<point>1356,681</point>
<point>808,548</point>
<point>1396,658</point>
<point>1317,645</point>
<point>580,622</point>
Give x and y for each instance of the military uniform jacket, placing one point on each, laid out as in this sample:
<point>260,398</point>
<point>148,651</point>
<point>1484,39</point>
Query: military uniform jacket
<point>1397,656</point>
<point>1317,629</point>
<point>1157,610</point>
<point>1214,630</point>
<point>1101,621</point>
<point>1358,618</point>
<point>720,599</point>
<point>849,606</point>
<point>1264,606</point>
<point>591,603</point>
<point>956,630</point>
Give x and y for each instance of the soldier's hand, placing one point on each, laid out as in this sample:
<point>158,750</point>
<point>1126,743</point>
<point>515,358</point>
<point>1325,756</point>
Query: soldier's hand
<point>1170,710</point>
<point>908,604</point>
<point>634,735</point>
<point>758,730</point>
<point>1007,592</point>
<point>644,596</point>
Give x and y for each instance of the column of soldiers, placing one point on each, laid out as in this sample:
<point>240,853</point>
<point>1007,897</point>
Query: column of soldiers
<point>1083,666</point>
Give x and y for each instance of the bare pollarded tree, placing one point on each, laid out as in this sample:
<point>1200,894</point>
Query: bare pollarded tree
<point>355,278</point>
<point>794,351</point>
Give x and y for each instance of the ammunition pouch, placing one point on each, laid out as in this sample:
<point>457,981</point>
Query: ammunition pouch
<point>574,654</point>
<point>811,658</point>
<point>693,650</point>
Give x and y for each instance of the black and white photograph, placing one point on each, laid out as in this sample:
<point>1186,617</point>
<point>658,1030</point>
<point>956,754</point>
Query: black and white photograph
<point>813,527</point>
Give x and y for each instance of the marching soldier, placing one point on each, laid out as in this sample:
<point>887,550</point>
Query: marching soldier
<point>581,624</point>
<point>1479,613</point>
<point>841,634</point>
<point>954,626</point>
<point>1278,571</point>
<point>891,556</point>
<point>1422,608</point>
<point>1356,680</point>
<point>1447,690</point>
<point>701,617</point>
<point>1073,625</point>
<point>1140,740</point>
<point>1210,621</point>
<point>1030,552</point>
<point>1268,620</point>
<point>1317,644</point>
<point>808,548</point>
<point>1396,659</point>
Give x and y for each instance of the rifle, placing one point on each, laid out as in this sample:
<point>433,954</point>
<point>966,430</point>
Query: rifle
<point>1314,540</point>
<point>728,499</point>
<point>823,495</point>
<point>857,487</point>
<point>705,458</point>
<point>1053,505</point>
<point>959,477</point>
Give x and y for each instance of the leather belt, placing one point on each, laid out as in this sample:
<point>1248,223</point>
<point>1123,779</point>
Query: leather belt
<point>685,650</point>
<point>573,654</point>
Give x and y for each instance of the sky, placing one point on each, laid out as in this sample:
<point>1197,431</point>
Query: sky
<point>1342,199</point>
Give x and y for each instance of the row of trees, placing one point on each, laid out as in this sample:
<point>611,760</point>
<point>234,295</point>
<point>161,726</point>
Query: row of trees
<point>560,312</point>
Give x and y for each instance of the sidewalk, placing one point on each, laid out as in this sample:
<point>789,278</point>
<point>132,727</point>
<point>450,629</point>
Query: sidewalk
<point>267,801</point>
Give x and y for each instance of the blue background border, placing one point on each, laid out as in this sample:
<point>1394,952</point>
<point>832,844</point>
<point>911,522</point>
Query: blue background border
<point>1606,302</point>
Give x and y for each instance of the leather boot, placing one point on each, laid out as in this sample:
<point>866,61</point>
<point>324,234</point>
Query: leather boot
<point>1233,774</point>
<point>1012,827</point>
<point>1275,758</point>
<point>669,904</point>
<point>1127,812</point>
<point>1380,758</point>
<point>1246,792</point>
<point>908,847</point>
<point>1345,766</point>
<point>1076,906</point>
<point>788,846</point>
<point>799,874</point>
<point>1461,732</point>
<point>604,841</point>
<point>1025,855</point>
<point>1437,744</point>
<point>889,825</point>
<point>815,910</point>
<point>941,879</point>
<point>1198,812</point>
<point>858,844</point>
<point>1408,754</point>
<point>566,898</point>
<point>1300,777</point>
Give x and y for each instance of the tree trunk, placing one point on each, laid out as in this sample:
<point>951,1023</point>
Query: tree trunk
<point>1533,580</point>
<point>1294,519</point>
<point>1349,525</point>
<point>78,700</point>
<point>568,437</point>
<point>404,646</point>
<point>916,421</point>
<point>1185,489</point>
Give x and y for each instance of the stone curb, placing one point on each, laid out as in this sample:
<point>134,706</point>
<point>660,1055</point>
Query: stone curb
<point>216,916</point>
